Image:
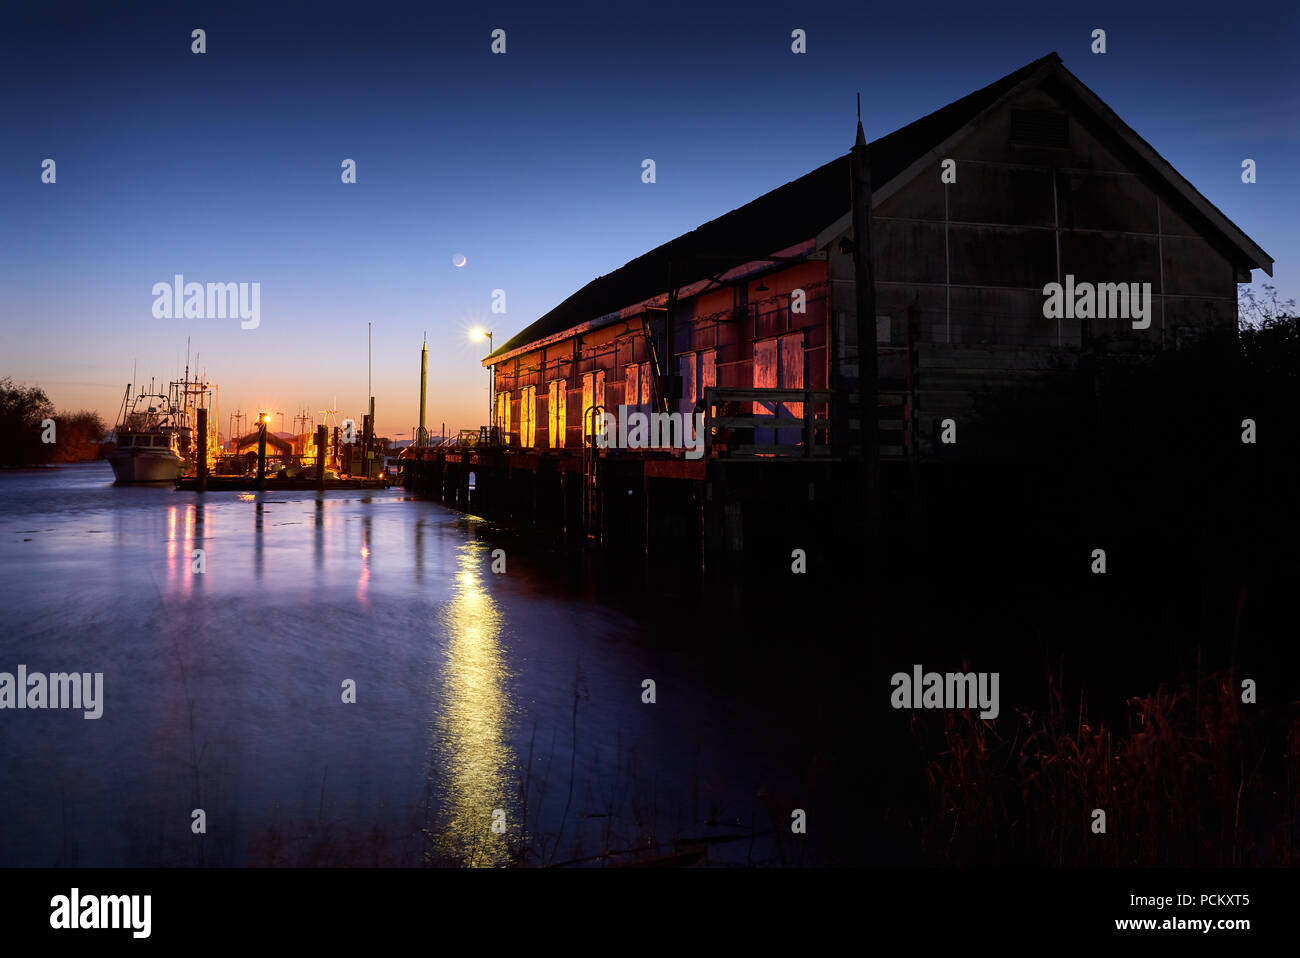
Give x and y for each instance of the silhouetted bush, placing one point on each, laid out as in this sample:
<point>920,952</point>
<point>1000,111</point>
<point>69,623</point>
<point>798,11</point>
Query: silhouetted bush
<point>22,408</point>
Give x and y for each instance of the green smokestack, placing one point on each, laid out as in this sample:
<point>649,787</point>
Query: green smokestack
<point>424,379</point>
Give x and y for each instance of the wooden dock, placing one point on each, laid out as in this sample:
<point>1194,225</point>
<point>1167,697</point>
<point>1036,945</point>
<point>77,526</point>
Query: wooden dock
<point>250,484</point>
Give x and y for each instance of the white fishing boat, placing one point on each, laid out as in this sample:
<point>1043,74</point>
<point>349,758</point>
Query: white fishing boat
<point>146,457</point>
<point>156,432</point>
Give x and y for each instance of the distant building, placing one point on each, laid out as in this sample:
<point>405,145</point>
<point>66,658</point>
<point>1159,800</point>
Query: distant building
<point>275,445</point>
<point>1049,184</point>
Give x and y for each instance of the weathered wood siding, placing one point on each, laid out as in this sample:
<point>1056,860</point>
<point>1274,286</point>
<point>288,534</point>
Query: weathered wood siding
<point>960,268</point>
<point>960,271</point>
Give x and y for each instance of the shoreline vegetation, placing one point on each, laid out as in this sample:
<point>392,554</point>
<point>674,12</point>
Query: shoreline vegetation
<point>34,434</point>
<point>1186,778</point>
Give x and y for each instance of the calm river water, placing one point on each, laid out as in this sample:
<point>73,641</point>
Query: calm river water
<point>477,695</point>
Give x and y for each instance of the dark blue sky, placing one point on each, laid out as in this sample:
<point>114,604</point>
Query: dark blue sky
<point>225,167</point>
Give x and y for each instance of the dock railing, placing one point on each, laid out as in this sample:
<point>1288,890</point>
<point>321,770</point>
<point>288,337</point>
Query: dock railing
<point>767,423</point>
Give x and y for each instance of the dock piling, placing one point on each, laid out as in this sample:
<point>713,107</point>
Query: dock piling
<point>321,433</point>
<point>201,438</point>
<point>261,453</point>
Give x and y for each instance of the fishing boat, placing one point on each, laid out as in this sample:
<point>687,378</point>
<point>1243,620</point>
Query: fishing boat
<point>155,433</point>
<point>147,446</point>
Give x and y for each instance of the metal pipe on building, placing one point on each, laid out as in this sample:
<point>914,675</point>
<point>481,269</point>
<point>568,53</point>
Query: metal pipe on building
<point>864,281</point>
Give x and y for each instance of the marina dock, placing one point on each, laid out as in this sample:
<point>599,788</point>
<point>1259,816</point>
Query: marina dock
<point>250,484</point>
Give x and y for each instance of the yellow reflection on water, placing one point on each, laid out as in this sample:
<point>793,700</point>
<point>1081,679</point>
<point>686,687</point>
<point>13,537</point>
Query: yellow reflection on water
<point>171,543</point>
<point>187,553</point>
<point>474,764</point>
<point>363,583</point>
<point>180,547</point>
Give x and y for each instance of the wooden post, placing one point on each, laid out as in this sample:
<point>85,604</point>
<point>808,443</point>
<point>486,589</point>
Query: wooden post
<point>809,415</point>
<point>261,456</point>
<point>202,439</point>
<point>321,440</point>
<point>366,426</point>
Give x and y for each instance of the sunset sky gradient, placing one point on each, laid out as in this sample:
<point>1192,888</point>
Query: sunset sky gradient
<point>225,166</point>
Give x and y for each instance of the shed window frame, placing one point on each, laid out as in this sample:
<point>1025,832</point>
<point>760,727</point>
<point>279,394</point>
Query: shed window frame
<point>528,417</point>
<point>557,405</point>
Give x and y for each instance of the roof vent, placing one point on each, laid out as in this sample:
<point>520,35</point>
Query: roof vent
<point>1040,128</point>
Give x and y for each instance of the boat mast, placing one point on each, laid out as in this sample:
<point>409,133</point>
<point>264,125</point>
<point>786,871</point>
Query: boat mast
<point>121,413</point>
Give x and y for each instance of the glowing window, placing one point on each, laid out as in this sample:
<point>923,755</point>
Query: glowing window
<point>557,412</point>
<point>593,394</point>
<point>503,415</point>
<point>528,417</point>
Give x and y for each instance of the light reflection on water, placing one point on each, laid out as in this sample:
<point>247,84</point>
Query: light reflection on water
<point>222,690</point>
<point>181,525</point>
<point>363,582</point>
<point>473,760</point>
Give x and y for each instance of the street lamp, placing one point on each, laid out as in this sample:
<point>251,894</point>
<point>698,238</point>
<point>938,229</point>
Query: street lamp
<point>478,334</point>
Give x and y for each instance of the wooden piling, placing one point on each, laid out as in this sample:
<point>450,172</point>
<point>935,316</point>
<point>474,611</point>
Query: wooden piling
<point>202,459</point>
<point>261,457</point>
<point>366,453</point>
<point>321,433</point>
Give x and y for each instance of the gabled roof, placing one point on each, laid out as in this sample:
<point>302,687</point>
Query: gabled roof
<point>272,440</point>
<point>802,208</point>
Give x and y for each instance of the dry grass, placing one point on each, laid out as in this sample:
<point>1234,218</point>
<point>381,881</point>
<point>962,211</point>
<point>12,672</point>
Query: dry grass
<point>1196,779</point>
